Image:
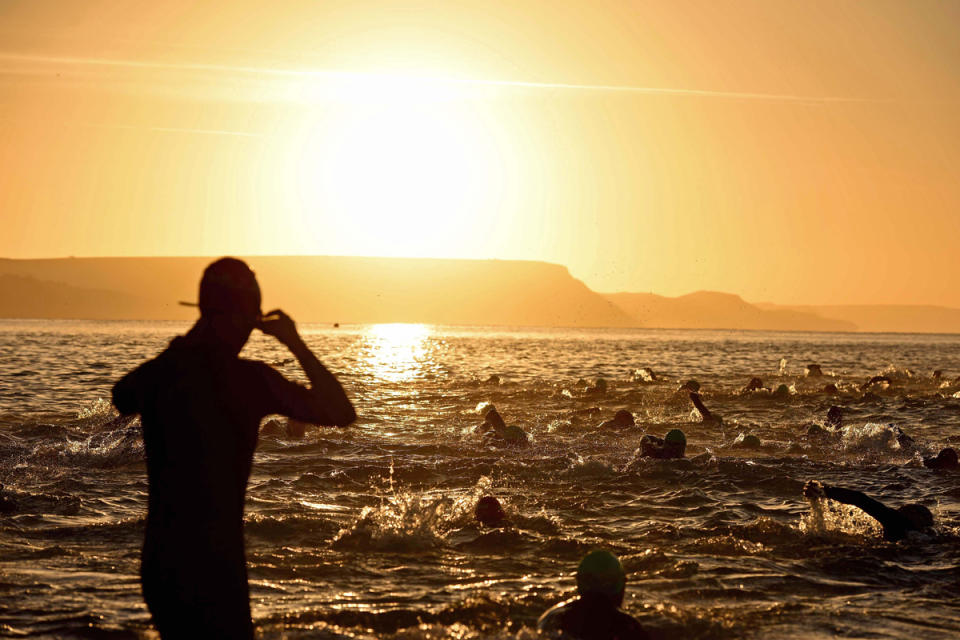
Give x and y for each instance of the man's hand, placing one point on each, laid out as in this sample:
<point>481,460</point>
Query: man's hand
<point>281,326</point>
<point>813,490</point>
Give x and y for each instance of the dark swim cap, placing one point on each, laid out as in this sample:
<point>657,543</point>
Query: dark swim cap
<point>229,286</point>
<point>918,514</point>
<point>675,436</point>
<point>600,573</point>
<point>489,512</point>
<point>947,457</point>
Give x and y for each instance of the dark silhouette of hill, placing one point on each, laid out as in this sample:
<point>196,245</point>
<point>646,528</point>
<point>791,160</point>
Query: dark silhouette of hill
<point>27,297</point>
<point>889,318</point>
<point>460,292</point>
<point>319,288</point>
<point>712,310</point>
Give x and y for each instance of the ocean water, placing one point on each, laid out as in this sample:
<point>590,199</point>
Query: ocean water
<point>368,532</point>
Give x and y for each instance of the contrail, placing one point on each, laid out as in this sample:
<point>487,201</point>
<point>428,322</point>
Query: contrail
<point>135,127</point>
<point>208,132</point>
<point>559,86</point>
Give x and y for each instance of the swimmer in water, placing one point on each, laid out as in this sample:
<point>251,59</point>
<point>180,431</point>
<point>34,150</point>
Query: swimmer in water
<point>671,446</point>
<point>946,459</point>
<point>835,417</point>
<point>623,419</point>
<point>7,504</point>
<point>833,424</point>
<point>708,416</point>
<point>594,614</point>
<point>877,380</point>
<point>489,512</point>
<point>496,431</point>
<point>896,523</point>
<point>491,421</point>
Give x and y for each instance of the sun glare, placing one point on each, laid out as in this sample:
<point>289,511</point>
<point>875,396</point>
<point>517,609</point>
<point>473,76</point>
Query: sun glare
<point>398,168</point>
<point>396,351</point>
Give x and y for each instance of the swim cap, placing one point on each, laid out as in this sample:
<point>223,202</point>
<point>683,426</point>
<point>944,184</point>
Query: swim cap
<point>489,511</point>
<point>751,441</point>
<point>600,573</point>
<point>229,286</point>
<point>675,436</point>
<point>918,514</point>
<point>514,434</point>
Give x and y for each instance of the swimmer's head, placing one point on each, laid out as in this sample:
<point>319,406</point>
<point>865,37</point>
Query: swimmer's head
<point>489,512</point>
<point>948,456</point>
<point>835,416</point>
<point>600,574</point>
<point>919,515</point>
<point>675,436</point>
<point>751,441</point>
<point>230,300</point>
<point>946,459</point>
<point>513,435</point>
<point>675,439</point>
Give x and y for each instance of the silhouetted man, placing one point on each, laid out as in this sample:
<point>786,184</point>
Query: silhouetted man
<point>200,407</point>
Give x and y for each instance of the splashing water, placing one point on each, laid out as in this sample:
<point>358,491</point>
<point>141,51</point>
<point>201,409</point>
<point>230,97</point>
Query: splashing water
<point>828,517</point>
<point>369,532</point>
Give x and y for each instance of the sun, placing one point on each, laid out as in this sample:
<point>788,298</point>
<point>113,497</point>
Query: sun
<point>398,169</point>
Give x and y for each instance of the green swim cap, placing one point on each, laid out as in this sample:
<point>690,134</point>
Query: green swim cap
<point>600,573</point>
<point>514,434</point>
<point>751,441</point>
<point>675,436</point>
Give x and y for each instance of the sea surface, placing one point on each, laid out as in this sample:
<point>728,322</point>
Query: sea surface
<point>368,532</point>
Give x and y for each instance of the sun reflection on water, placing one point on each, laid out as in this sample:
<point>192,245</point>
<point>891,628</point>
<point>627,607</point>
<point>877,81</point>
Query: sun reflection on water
<point>396,352</point>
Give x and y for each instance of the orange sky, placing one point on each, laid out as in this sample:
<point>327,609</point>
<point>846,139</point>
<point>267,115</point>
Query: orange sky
<point>794,152</point>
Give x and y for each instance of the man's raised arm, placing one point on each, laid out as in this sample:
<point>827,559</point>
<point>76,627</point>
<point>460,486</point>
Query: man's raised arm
<point>329,404</point>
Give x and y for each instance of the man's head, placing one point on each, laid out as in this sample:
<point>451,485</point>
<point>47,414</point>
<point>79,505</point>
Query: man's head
<point>919,515</point>
<point>601,575</point>
<point>230,301</point>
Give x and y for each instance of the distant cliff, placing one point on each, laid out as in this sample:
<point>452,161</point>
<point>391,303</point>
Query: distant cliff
<point>314,288</point>
<point>711,310</point>
<point>890,318</point>
<point>459,292</point>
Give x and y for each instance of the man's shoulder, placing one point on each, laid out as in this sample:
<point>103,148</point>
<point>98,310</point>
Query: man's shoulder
<point>552,619</point>
<point>576,619</point>
<point>630,627</point>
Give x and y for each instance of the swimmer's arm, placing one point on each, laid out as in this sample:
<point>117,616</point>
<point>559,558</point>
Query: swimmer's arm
<point>328,403</point>
<point>874,508</point>
<point>698,403</point>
